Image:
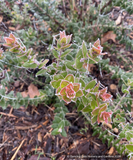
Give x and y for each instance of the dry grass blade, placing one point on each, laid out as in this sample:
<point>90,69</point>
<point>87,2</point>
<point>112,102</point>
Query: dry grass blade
<point>13,157</point>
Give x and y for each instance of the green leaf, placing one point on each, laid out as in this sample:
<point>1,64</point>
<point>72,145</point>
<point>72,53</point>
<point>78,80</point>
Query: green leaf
<point>79,54</point>
<point>30,30</point>
<point>79,64</point>
<point>43,63</point>
<point>103,109</point>
<point>130,82</point>
<point>66,46</point>
<point>42,95</point>
<point>61,124</point>
<point>55,132</point>
<point>61,115</point>
<point>90,85</point>
<point>54,64</point>
<point>95,111</point>
<point>66,99</point>
<point>1,65</point>
<point>85,100</point>
<point>93,119</point>
<point>55,53</point>
<point>84,50</point>
<point>94,104</point>
<point>63,40</point>
<point>69,57</point>
<point>66,52</point>
<point>80,107</point>
<point>58,45</point>
<point>124,89</point>
<point>67,123</point>
<point>122,134</point>
<point>41,72</point>
<point>69,65</point>
<point>54,125</point>
<point>14,50</point>
<point>22,58</point>
<point>104,104</point>
<point>76,87</point>
<point>93,60</point>
<point>3,103</point>
<point>110,139</point>
<point>56,119</point>
<point>76,80</point>
<point>129,147</point>
<point>96,87</point>
<point>79,93</point>
<point>82,83</point>
<point>64,74</point>
<point>70,78</point>
<point>63,92</point>
<point>16,105</point>
<point>55,84</point>
<point>64,83</point>
<point>87,109</point>
<point>82,70</point>
<point>129,135</point>
<point>58,76</point>
<point>63,133</point>
<point>29,65</point>
<point>118,118</point>
<point>63,67</point>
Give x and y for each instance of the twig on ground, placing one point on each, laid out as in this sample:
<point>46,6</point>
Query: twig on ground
<point>13,157</point>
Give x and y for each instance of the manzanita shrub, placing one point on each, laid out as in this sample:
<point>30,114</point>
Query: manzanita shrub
<point>69,78</point>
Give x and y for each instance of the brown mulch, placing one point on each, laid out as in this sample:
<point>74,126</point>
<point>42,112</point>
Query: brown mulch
<point>27,132</point>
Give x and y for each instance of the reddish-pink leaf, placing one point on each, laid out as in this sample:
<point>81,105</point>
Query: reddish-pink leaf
<point>12,36</point>
<point>62,34</point>
<point>69,91</point>
<point>106,116</point>
<point>106,97</point>
<point>97,43</point>
<point>96,51</point>
<point>102,91</point>
<point>9,40</point>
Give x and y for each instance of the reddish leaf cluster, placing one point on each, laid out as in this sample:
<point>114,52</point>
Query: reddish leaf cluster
<point>96,49</point>
<point>13,43</point>
<point>64,41</point>
<point>99,114</point>
<point>105,96</point>
<point>63,35</point>
<point>68,90</point>
<point>104,116</point>
<point>10,41</point>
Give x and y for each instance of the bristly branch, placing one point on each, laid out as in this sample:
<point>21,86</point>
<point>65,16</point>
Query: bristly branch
<point>106,4</point>
<point>55,20</point>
